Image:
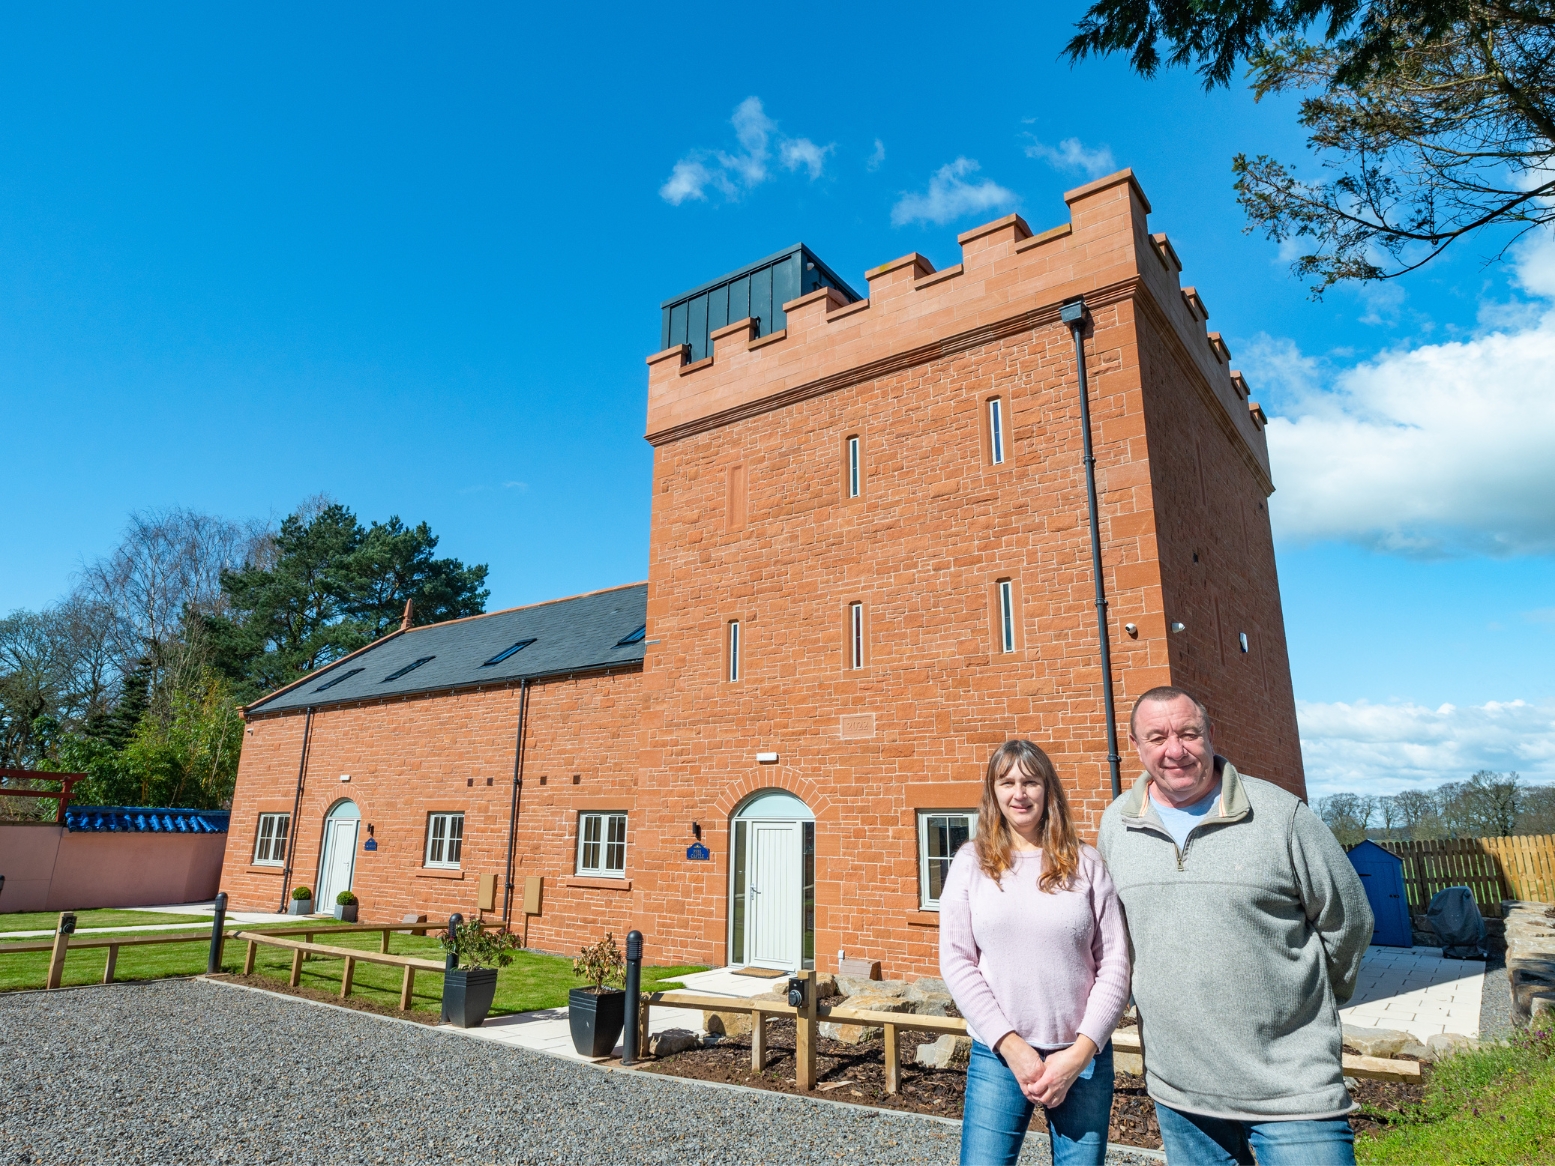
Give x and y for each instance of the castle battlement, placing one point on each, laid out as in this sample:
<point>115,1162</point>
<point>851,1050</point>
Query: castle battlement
<point>1009,280</point>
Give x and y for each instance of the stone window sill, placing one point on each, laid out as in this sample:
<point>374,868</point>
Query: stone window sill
<point>923,918</point>
<point>434,873</point>
<point>599,884</point>
<point>265,870</point>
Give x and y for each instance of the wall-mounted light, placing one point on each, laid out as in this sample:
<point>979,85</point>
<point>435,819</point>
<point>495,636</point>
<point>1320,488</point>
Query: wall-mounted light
<point>345,777</point>
<point>1243,637</point>
<point>1131,629</point>
<point>696,830</point>
<point>1178,627</point>
<point>766,758</point>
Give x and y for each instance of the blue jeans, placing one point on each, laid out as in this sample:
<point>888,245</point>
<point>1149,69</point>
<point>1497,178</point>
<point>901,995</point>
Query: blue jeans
<point>1191,1139</point>
<point>996,1113</point>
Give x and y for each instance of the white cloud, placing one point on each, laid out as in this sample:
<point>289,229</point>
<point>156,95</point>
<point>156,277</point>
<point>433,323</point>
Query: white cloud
<point>1384,748</point>
<point>877,157</point>
<point>730,173</point>
<point>1074,156</point>
<point>950,196</point>
<point>1437,450</point>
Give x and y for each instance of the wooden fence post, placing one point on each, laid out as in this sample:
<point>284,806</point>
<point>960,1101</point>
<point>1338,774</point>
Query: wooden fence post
<point>113,959</point>
<point>297,967</point>
<point>248,960</point>
<point>407,985</point>
<point>893,1061</point>
<point>346,977</point>
<point>758,1041</point>
<point>805,1034</point>
<point>61,945</point>
<point>383,944</point>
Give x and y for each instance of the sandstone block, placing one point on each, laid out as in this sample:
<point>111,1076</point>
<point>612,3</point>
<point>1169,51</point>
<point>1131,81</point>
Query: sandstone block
<point>672,1041</point>
<point>949,1052</point>
<point>1446,1044</point>
<point>1376,1042</point>
<point>727,1023</point>
<point>852,1034</point>
<point>930,1004</point>
<point>851,986</point>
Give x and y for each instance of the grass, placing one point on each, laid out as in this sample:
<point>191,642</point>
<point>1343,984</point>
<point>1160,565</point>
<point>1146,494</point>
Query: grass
<point>1496,1105</point>
<point>48,920</point>
<point>532,981</point>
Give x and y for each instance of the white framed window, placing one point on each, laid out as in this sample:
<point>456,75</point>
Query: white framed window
<point>940,834</point>
<point>996,431</point>
<point>602,845</point>
<point>1006,615</point>
<point>856,635</point>
<point>445,840</point>
<point>734,650</point>
<point>853,467</point>
<point>270,845</point>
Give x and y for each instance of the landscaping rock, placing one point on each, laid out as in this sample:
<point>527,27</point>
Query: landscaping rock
<point>672,1041</point>
<point>949,1052</point>
<point>852,1034</point>
<point>1445,1044</point>
<point>1416,1050</point>
<point>929,997</point>
<point>825,985</point>
<point>727,1023</point>
<point>928,984</point>
<point>1376,1042</point>
<point>853,985</point>
<point>1541,1012</point>
<point>1133,1063</point>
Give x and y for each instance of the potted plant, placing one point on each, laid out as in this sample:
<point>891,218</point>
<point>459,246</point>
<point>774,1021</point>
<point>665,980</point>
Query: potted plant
<point>345,907</point>
<point>302,901</point>
<point>597,1014</point>
<point>468,991</point>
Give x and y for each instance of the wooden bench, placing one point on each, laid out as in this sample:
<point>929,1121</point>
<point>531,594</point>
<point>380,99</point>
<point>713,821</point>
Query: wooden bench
<point>351,955</point>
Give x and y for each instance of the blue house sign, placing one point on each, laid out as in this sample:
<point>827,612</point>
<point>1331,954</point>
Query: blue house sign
<point>696,852</point>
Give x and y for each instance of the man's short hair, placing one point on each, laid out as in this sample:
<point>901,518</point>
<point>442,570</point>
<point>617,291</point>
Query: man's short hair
<point>1163,694</point>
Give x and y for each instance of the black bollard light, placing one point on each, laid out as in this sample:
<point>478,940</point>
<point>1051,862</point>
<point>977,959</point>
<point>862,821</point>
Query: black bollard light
<point>634,979</point>
<point>218,925</point>
<point>454,922</point>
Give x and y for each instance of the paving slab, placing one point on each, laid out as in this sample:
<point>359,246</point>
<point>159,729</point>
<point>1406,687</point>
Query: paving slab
<point>1417,991</point>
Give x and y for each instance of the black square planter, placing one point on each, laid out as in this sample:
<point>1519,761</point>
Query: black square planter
<point>596,1020</point>
<point>467,995</point>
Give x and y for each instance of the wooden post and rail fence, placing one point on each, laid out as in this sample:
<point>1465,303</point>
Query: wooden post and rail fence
<point>893,1024</point>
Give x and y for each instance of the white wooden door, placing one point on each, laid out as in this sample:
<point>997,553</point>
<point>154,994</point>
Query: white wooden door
<point>339,861</point>
<point>775,890</point>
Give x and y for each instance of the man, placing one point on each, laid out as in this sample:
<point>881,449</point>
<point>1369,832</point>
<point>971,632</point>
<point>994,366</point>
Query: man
<point>1248,925</point>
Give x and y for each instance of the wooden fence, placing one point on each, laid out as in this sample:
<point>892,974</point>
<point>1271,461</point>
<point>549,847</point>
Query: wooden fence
<point>1493,868</point>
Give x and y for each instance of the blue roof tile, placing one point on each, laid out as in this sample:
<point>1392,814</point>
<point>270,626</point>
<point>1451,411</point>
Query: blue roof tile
<point>145,820</point>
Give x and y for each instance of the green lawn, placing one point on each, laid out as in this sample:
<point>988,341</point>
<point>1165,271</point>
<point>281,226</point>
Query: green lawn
<point>48,920</point>
<point>532,981</point>
<point>1496,1105</point>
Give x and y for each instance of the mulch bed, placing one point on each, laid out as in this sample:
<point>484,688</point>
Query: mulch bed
<point>358,1003</point>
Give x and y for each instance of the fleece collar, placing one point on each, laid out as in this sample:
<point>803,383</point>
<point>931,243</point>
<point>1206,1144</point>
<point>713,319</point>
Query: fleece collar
<point>1232,807</point>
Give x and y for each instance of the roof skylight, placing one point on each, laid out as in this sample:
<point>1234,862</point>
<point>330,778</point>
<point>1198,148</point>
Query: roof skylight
<point>334,680</point>
<point>506,652</point>
<point>397,673</point>
<point>635,638</point>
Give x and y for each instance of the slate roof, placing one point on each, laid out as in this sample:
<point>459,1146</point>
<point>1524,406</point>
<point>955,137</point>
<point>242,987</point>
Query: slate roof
<point>580,634</point>
<point>145,820</point>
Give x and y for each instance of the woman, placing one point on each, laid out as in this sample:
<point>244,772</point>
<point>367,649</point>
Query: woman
<point>1033,949</point>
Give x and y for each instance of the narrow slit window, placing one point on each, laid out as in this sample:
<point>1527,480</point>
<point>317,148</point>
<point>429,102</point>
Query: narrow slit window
<point>856,635</point>
<point>1006,616</point>
<point>334,680</point>
<point>853,467</point>
<point>506,652</point>
<point>734,649</point>
<point>996,431</point>
<point>411,667</point>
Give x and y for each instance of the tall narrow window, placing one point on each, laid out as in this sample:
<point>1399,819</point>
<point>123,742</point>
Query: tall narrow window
<point>734,649</point>
<point>941,833</point>
<point>445,840</point>
<point>270,846</point>
<point>996,431</point>
<point>856,635</point>
<point>853,467</point>
<point>602,845</point>
<point>1006,616</point>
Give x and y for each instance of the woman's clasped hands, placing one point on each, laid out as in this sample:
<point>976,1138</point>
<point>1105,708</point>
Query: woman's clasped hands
<point>1046,1080</point>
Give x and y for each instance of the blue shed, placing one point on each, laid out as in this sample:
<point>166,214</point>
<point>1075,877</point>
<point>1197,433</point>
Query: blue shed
<point>1382,874</point>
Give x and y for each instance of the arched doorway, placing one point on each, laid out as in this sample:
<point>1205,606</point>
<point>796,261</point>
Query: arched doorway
<point>337,862</point>
<point>772,883</point>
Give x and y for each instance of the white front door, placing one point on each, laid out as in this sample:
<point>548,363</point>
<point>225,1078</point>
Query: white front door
<point>775,894</point>
<point>339,861</point>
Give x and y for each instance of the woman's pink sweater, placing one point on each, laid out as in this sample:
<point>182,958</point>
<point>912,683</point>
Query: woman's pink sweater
<point>1017,959</point>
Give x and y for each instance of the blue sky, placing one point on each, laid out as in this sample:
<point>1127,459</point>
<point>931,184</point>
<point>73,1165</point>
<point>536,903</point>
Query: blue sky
<point>413,259</point>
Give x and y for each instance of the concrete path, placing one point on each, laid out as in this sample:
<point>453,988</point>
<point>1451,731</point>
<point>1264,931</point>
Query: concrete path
<point>1417,991</point>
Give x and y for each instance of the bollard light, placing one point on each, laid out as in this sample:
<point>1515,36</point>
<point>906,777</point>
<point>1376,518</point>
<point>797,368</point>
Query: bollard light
<point>634,970</point>
<point>218,929</point>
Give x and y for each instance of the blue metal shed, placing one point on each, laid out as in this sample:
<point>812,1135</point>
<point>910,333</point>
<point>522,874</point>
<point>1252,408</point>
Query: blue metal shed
<point>1382,874</point>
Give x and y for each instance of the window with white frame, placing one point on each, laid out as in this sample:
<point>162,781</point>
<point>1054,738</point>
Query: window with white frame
<point>855,635</point>
<point>853,468</point>
<point>270,845</point>
<point>996,431</point>
<point>1006,615</point>
<point>733,672</point>
<point>445,840</point>
<point>602,845</point>
<point>940,834</point>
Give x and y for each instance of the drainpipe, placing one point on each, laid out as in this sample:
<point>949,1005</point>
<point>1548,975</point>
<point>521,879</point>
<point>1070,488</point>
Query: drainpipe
<point>291,841</point>
<point>518,786</point>
<point>1073,314</point>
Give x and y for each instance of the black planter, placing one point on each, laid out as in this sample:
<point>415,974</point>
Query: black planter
<point>467,995</point>
<point>596,1020</point>
<point>346,912</point>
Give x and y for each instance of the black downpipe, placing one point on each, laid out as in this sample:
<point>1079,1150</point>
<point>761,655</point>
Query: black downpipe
<point>1073,314</point>
<point>291,839</point>
<point>518,786</point>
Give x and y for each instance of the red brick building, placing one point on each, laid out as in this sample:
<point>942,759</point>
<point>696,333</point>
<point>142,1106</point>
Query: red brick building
<point>870,564</point>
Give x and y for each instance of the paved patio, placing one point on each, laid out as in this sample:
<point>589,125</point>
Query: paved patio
<point>1416,991</point>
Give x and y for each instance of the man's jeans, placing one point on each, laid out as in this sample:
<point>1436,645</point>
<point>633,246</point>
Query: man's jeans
<point>1191,1139</point>
<point>996,1113</point>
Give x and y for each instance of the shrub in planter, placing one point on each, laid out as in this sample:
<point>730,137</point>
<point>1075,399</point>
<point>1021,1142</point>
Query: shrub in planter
<point>469,990</point>
<point>302,901</point>
<point>597,1014</point>
<point>345,907</point>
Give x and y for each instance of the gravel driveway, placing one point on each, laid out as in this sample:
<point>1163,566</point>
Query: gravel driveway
<point>187,1071</point>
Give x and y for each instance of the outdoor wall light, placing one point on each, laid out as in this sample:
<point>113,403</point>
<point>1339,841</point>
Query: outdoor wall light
<point>766,758</point>
<point>1178,627</point>
<point>345,777</point>
<point>1131,629</point>
<point>1242,636</point>
<point>696,830</point>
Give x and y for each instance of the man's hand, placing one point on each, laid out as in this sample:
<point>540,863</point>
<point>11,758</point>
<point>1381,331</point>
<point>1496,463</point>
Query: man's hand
<point>1024,1061</point>
<point>1059,1071</point>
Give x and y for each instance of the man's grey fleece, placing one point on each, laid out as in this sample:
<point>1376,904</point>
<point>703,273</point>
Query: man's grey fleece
<point>1245,944</point>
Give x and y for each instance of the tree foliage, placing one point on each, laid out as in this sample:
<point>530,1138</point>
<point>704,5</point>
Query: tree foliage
<point>1487,805</point>
<point>1434,119</point>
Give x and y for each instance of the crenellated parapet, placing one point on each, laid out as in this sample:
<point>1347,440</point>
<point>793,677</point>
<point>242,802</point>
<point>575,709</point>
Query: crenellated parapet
<point>1010,280</point>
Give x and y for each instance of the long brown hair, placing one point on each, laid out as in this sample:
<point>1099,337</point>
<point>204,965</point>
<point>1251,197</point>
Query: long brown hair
<point>1060,847</point>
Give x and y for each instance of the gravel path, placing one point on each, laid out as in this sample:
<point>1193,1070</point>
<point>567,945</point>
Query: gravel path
<point>188,1071</point>
<point>1495,1001</point>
